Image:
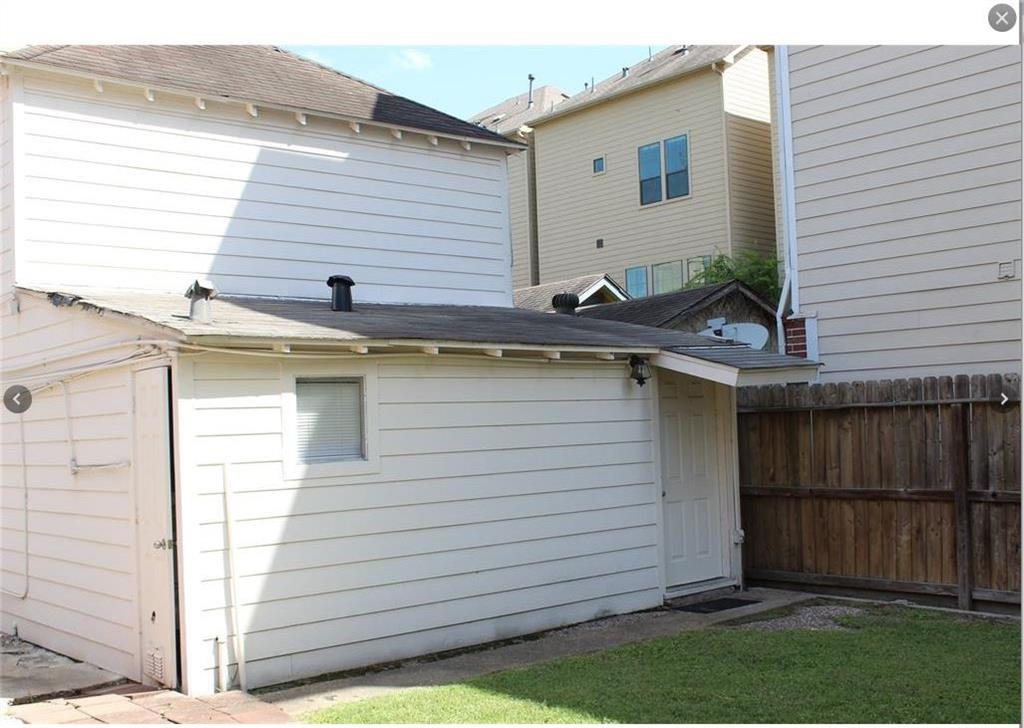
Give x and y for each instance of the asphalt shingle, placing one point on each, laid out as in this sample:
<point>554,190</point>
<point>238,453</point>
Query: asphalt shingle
<point>266,74</point>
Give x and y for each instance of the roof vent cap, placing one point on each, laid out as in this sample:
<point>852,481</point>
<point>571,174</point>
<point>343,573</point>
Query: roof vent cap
<point>565,303</point>
<point>199,295</point>
<point>341,292</point>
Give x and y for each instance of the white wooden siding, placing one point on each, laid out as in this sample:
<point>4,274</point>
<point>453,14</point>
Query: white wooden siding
<point>511,498</point>
<point>908,196</point>
<point>82,566</point>
<point>576,207</point>
<point>120,192</point>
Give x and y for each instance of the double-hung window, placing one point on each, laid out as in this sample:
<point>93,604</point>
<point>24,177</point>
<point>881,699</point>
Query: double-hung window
<point>664,169</point>
<point>650,173</point>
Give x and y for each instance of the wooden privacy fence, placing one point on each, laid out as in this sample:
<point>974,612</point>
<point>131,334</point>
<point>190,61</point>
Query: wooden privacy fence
<point>908,485</point>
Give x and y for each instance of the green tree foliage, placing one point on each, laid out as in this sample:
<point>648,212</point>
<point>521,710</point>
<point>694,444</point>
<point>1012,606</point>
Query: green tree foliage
<point>759,272</point>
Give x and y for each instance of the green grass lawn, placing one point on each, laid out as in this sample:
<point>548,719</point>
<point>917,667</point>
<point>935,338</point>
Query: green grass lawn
<point>893,665</point>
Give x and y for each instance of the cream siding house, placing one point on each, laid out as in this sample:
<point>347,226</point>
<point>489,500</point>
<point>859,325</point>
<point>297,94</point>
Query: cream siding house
<point>905,220</point>
<point>703,109</point>
<point>512,118</point>
<point>257,488</point>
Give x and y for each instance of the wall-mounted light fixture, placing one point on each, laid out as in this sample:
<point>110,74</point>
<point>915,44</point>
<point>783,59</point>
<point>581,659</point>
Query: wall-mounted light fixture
<point>639,371</point>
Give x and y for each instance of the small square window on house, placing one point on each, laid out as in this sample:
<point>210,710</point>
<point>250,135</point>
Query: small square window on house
<point>667,276</point>
<point>329,420</point>
<point>636,281</point>
<point>599,165</point>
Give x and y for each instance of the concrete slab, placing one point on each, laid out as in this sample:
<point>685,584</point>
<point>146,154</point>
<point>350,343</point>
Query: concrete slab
<point>578,639</point>
<point>29,672</point>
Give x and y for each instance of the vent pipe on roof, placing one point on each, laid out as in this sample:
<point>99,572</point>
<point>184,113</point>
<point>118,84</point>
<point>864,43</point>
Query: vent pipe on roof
<point>341,292</point>
<point>529,98</point>
<point>199,295</point>
<point>565,303</point>
<point>625,71</point>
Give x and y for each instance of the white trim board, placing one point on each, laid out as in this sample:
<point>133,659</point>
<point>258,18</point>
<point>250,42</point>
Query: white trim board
<point>732,376</point>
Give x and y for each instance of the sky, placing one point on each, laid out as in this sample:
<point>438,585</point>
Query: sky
<point>463,80</point>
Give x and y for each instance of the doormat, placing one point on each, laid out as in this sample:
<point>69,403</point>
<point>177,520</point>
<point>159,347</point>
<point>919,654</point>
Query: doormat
<point>714,605</point>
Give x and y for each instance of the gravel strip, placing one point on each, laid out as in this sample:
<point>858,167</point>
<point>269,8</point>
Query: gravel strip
<point>816,617</point>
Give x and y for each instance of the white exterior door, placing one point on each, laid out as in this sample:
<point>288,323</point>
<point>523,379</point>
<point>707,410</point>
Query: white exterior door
<point>692,481</point>
<point>152,464</point>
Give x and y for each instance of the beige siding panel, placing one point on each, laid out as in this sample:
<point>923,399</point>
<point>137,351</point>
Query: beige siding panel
<point>519,218</point>
<point>577,207</point>
<point>511,497</point>
<point>750,185</point>
<point>908,176</point>
<point>746,90</point>
<point>81,527</point>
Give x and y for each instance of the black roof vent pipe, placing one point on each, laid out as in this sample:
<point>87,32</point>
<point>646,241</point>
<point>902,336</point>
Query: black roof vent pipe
<point>565,303</point>
<point>341,292</point>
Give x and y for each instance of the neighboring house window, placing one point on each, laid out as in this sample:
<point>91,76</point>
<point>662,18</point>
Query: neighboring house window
<point>636,281</point>
<point>649,158</point>
<point>677,167</point>
<point>664,165</point>
<point>667,276</point>
<point>329,420</point>
<point>695,266</point>
<point>599,165</point>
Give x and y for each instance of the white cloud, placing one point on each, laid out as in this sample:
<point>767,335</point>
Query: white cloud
<point>411,59</point>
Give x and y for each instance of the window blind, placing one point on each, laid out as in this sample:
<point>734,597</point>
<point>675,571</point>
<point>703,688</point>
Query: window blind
<point>329,419</point>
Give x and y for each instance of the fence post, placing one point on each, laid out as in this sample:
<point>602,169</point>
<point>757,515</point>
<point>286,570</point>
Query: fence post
<point>960,479</point>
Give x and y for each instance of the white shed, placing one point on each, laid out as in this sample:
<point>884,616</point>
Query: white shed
<point>257,488</point>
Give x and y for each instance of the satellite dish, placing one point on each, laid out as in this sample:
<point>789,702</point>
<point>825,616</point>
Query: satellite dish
<point>753,335</point>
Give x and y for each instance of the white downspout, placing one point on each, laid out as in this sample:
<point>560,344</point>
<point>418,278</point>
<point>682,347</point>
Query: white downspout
<point>791,283</point>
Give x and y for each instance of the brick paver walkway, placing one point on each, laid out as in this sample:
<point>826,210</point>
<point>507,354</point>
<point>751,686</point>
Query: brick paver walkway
<point>160,706</point>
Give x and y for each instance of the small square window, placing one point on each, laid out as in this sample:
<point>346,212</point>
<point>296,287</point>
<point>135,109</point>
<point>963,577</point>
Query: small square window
<point>329,420</point>
<point>599,165</point>
<point>636,281</point>
<point>667,276</point>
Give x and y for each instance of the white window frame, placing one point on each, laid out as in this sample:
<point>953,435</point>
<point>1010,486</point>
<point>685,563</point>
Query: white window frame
<point>604,165</point>
<point>296,469</point>
<point>665,199</point>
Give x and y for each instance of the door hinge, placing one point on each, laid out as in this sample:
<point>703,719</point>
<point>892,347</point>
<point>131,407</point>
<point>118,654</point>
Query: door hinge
<point>165,543</point>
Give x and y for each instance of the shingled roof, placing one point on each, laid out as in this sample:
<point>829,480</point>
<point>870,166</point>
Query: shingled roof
<point>668,63</point>
<point>514,112</point>
<point>538,298</point>
<point>662,308</point>
<point>236,320</point>
<point>255,74</point>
